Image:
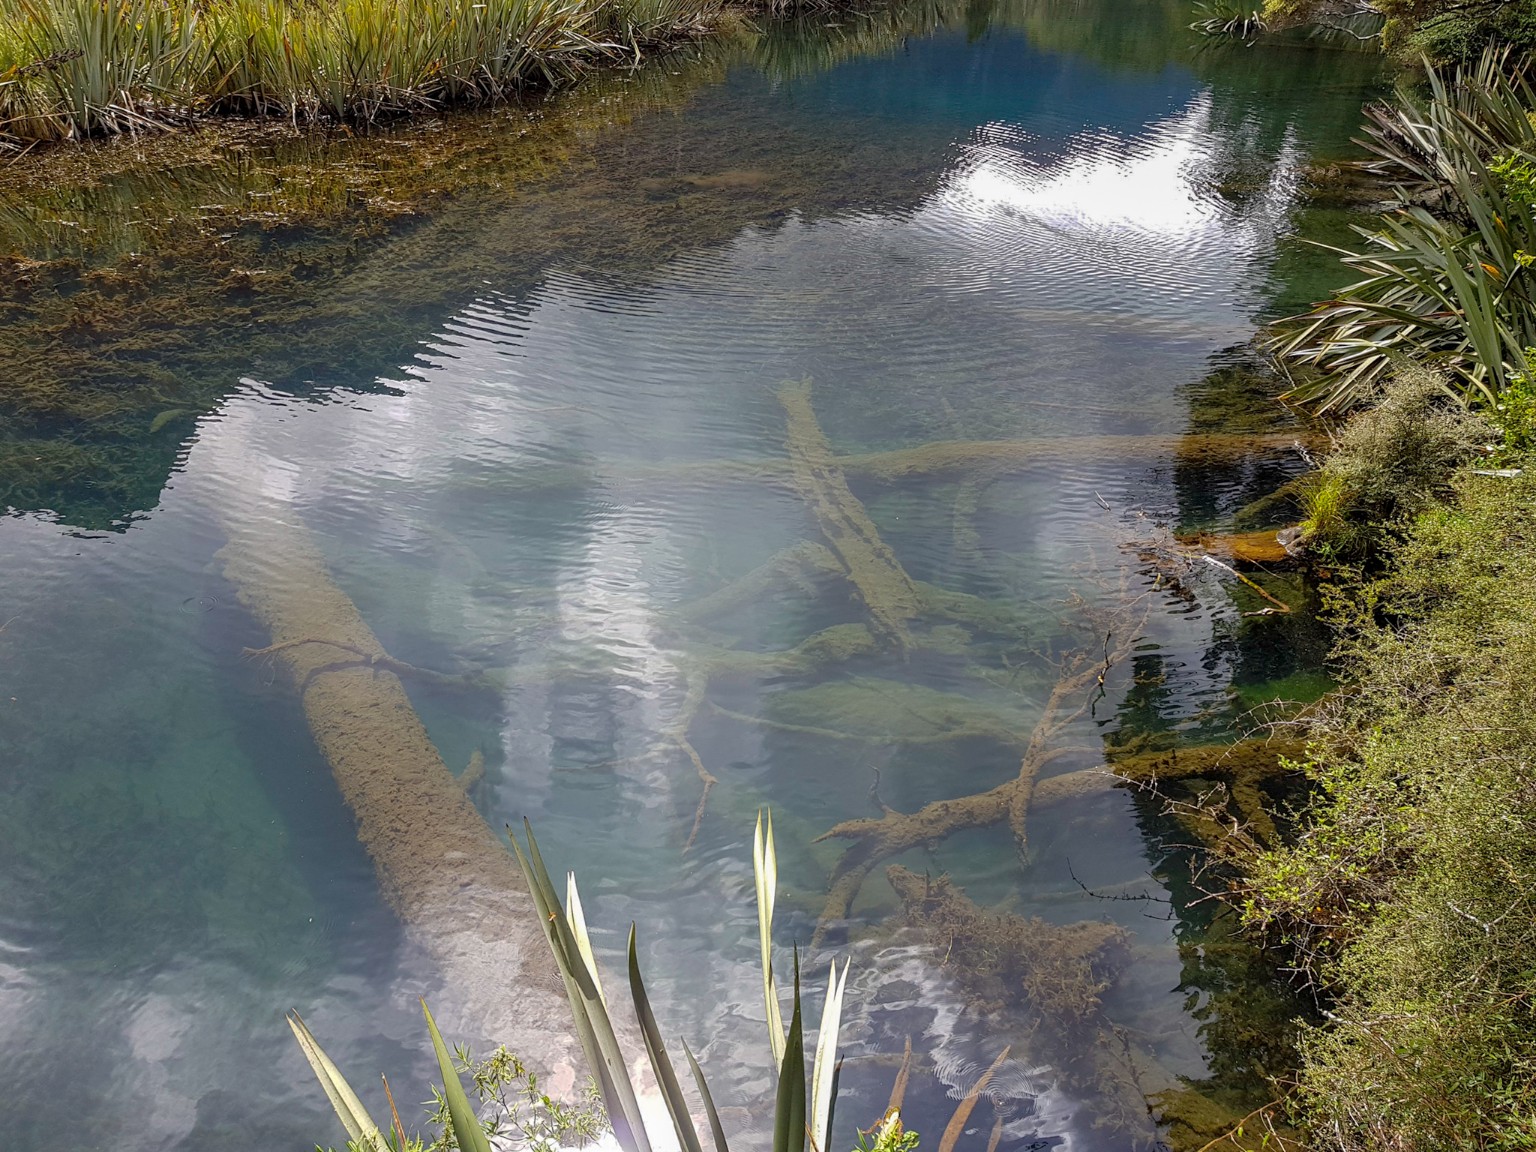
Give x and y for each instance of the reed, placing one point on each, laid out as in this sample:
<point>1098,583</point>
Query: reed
<point>76,68</point>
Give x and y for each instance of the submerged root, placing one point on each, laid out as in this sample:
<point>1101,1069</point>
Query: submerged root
<point>890,597</point>
<point>875,841</point>
<point>1240,770</point>
<point>1059,974</point>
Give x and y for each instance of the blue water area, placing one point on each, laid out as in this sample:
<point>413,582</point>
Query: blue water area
<point>547,455</point>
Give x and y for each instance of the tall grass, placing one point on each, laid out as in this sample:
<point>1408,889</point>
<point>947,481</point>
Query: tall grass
<point>75,68</point>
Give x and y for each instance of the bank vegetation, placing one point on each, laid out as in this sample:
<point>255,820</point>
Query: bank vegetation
<point>1405,900</point>
<point>77,68</point>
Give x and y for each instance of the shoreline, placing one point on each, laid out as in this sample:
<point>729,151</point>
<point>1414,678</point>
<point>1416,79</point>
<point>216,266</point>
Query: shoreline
<point>392,61</point>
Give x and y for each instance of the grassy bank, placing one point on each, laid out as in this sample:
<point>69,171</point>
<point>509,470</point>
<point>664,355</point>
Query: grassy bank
<point>1409,898</point>
<point>76,68</point>
<point>1406,898</point>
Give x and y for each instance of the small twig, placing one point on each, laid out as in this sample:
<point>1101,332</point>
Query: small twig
<point>1228,1135</point>
<point>1120,896</point>
<point>1280,605</point>
<point>874,793</point>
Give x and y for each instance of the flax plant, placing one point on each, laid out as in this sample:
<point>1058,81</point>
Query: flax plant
<point>80,67</point>
<point>75,68</point>
<point>1447,275</point>
<point>803,1112</point>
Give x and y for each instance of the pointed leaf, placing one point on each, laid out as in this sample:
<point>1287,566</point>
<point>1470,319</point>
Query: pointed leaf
<point>349,1109</point>
<point>717,1130</point>
<point>579,929</point>
<point>789,1108</point>
<point>765,868</point>
<point>466,1125</point>
<point>600,1043</point>
<point>666,1077</point>
<point>824,1068</point>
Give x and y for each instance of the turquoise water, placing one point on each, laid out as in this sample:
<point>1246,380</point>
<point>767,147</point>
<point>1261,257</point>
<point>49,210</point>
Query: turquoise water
<point>517,426</point>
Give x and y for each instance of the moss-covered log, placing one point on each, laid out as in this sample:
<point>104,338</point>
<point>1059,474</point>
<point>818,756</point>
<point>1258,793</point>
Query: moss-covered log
<point>890,597</point>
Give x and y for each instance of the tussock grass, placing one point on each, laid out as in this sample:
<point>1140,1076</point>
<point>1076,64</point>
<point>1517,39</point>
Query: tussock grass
<point>76,68</point>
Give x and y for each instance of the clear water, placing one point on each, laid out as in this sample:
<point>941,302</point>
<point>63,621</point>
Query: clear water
<point>1033,221</point>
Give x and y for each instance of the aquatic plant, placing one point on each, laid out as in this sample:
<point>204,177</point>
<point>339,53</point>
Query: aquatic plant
<point>801,1114</point>
<point>1448,274</point>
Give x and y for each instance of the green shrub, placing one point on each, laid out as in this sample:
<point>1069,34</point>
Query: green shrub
<point>1388,463</point>
<point>1409,897</point>
<point>1515,417</point>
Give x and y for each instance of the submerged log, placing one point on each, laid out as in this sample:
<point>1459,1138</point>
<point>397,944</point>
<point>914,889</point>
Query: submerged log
<point>963,461</point>
<point>890,597</point>
<point>447,875</point>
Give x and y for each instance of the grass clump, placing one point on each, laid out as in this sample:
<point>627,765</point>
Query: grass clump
<point>77,68</point>
<point>1388,464</point>
<point>1409,896</point>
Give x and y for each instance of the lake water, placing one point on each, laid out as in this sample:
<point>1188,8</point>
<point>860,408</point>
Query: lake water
<point>532,424</point>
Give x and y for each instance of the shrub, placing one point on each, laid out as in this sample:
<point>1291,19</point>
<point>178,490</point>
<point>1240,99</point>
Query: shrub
<point>1389,463</point>
<point>1409,897</point>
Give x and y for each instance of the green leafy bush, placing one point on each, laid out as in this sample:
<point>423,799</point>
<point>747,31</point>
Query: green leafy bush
<point>1515,417</point>
<point>1409,898</point>
<point>1388,463</point>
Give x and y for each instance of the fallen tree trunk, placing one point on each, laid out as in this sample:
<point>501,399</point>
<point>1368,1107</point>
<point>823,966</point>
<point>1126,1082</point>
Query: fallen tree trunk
<point>444,871</point>
<point>889,595</point>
